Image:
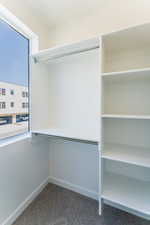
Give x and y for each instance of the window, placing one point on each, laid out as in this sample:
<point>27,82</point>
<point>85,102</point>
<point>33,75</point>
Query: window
<point>2,91</point>
<point>25,94</point>
<point>14,79</point>
<point>12,104</point>
<point>2,105</point>
<point>12,92</point>
<point>25,105</point>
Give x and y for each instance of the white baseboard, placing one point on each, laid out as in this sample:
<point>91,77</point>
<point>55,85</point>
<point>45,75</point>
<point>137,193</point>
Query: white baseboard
<point>12,218</point>
<point>74,187</point>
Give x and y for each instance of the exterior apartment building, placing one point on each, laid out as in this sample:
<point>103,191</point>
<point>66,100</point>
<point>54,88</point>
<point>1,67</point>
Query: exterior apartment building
<point>14,110</point>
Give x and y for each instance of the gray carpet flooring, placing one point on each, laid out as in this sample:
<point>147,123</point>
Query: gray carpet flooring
<point>58,206</point>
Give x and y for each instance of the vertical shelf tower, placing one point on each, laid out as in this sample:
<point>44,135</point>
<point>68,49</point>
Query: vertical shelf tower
<point>125,119</point>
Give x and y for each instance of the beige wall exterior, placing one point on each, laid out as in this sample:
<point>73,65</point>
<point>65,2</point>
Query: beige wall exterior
<point>17,98</point>
<point>113,15</point>
<point>27,16</point>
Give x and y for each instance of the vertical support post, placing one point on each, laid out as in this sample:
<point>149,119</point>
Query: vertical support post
<point>100,144</point>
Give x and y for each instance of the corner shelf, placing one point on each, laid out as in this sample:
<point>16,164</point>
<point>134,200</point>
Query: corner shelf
<point>128,154</point>
<point>127,192</point>
<point>121,116</point>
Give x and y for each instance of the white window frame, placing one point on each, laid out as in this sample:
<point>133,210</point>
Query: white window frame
<point>19,26</point>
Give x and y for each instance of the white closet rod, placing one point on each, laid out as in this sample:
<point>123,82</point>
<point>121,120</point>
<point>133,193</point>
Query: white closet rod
<point>46,59</point>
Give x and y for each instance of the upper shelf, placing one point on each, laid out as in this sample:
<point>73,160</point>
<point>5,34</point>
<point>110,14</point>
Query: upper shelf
<point>65,133</point>
<point>127,49</point>
<point>65,50</point>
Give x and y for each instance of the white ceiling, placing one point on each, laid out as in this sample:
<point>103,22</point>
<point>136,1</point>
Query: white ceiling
<point>54,12</point>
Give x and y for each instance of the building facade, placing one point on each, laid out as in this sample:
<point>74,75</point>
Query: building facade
<point>14,109</point>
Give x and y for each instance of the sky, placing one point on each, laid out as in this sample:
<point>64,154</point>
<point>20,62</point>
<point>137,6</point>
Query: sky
<point>13,56</point>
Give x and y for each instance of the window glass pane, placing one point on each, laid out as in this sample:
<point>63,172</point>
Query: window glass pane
<point>14,80</point>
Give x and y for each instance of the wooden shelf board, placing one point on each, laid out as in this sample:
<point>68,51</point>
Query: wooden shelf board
<point>128,192</point>
<point>65,133</point>
<point>121,116</point>
<point>128,154</point>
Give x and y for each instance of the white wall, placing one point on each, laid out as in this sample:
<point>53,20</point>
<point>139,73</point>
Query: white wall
<point>113,15</point>
<point>74,86</point>
<point>27,16</point>
<point>23,167</point>
<point>74,165</point>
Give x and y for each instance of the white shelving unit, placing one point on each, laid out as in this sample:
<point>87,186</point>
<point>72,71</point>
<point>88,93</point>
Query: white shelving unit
<point>98,91</point>
<point>125,118</point>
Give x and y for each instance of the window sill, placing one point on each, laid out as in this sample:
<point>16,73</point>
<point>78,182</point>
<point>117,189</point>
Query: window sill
<point>15,139</point>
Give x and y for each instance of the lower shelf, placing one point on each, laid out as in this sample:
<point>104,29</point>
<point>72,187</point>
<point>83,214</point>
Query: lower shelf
<point>65,133</point>
<point>127,192</point>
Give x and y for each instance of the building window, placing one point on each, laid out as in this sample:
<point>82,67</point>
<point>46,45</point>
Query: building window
<point>2,91</point>
<point>25,105</point>
<point>12,92</point>
<point>14,79</point>
<point>2,105</point>
<point>12,104</point>
<point>25,94</point>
